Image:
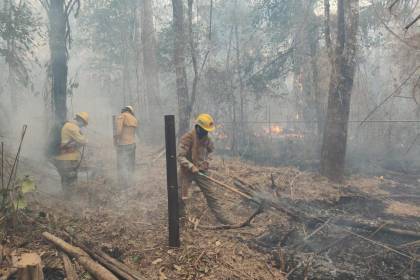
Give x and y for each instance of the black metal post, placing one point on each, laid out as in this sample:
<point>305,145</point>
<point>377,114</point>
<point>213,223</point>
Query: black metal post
<point>172,181</point>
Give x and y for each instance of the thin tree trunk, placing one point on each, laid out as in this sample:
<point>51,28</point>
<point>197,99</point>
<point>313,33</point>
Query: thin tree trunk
<point>180,71</point>
<point>327,31</point>
<point>341,84</point>
<point>10,59</point>
<point>319,111</point>
<point>12,88</point>
<point>194,57</point>
<point>241,84</point>
<point>242,101</point>
<point>58,48</point>
<point>232,95</point>
<point>150,65</point>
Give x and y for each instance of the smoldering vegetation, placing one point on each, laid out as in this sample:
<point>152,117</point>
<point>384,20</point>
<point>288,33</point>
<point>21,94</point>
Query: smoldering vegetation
<point>296,88</point>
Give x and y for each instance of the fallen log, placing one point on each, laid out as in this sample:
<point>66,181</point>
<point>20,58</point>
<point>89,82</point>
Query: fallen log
<point>69,269</point>
<point>117,267</point>
<point>94,268</point>
<point>114,265</point>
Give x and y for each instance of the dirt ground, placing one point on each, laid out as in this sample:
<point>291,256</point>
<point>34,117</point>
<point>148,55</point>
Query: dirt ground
<point>131,224</point>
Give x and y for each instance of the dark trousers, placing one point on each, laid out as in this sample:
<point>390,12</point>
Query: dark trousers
<point>126,160</point>
<point>68,173</point>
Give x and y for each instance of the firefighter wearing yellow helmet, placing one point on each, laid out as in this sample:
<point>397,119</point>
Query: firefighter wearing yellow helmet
<point>193,151</point>
<point>125,144</point>
<point>69,154</point>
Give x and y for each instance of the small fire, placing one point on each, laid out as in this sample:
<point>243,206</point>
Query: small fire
<point>274,130</point>
<point>279,132</point>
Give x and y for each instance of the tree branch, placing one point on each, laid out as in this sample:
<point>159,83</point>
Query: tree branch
<point>393,4</point>
<point>389,96</point>
<point>412,22</point>
<point>390,30</point>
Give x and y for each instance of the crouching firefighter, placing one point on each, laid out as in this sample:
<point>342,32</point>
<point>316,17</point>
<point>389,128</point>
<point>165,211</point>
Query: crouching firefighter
<point>70,151</point>
<point>125,142</point>
<point>193,151</point>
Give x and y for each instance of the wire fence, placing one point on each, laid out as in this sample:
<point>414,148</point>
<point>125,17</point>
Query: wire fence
<point>299,142</point>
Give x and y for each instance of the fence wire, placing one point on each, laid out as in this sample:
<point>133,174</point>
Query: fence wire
<point>299,142</point>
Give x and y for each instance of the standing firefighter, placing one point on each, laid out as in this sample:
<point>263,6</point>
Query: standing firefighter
<point>124,139</point>
<point>68,159</point>
<point>193,151</point>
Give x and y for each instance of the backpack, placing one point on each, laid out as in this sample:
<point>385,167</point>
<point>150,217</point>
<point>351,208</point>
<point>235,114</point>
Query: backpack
<point>54,140</point>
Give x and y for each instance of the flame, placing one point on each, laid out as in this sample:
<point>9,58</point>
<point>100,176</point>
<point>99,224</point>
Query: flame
<point>279,132</point>
<point>274,130</point>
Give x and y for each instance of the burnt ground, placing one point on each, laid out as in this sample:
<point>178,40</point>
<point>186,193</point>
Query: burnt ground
<point>131,224</point>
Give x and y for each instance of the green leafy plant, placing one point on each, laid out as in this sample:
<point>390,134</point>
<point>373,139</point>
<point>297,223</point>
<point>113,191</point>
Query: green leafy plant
<point>14,199</point>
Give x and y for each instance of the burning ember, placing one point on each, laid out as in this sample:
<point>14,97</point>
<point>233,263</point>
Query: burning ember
<point>277,131</point>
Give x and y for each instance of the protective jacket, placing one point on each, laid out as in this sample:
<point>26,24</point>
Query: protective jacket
<point>126,129</point>
<point>194,151</point>
<point>71,141</point>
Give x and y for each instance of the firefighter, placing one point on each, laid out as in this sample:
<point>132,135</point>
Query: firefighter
<point>125,142</point>
<point>70,152</point>
<point>193,151</point>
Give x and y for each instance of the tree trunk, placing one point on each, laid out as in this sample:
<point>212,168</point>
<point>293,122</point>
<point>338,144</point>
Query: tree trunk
<point>242,101</point>
<point>319,110</point>
<point>58,48</point>
<point>12,89</point>
<point>142,103</point>
<point>71,273</point>
<point>10,59</point>
<point>184,110</point>
<point>150,65</point>
<point>305,83</point>
<point>341,84</point>
<point>194,56</point>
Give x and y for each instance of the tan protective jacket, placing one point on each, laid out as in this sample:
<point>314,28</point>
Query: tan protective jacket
<point>193,151</point>
<point>126,129</point>
<point>71,141</point>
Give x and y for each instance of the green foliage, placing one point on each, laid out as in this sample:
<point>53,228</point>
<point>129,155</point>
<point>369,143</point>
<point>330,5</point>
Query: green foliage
<point>19,31</point>
<point>25,186</point>
<point>108,28</point>
<point>165,52</point>
<point>13,198</point>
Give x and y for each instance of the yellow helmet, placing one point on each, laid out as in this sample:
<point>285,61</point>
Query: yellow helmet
<point>129,108</point>
<point>84,116</point>
<point>205,121</point>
